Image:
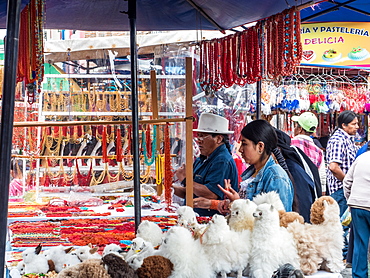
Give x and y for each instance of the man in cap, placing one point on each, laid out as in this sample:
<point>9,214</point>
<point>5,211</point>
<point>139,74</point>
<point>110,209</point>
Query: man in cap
<point>214,165</point>
<point>304,127</point>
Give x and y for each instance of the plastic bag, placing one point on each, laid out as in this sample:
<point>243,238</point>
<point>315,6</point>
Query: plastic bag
<point>346,218</point>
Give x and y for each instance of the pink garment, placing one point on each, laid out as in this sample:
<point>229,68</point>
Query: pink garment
<point>16,187</point>
<point>309,148</point>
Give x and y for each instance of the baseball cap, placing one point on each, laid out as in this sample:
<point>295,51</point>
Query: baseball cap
<point>307,120</point>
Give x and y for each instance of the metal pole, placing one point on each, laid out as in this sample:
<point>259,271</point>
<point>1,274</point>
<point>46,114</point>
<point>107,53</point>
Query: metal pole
<point>259,82</point>
<point>7,117</point>
<point>135,112</point>
<point>258,97</point>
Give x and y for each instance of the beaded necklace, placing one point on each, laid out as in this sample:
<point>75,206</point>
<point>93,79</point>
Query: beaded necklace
<point>149,161</point>
<point>168,167</point>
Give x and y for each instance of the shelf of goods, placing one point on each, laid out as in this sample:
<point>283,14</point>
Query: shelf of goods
<point>66,180</point>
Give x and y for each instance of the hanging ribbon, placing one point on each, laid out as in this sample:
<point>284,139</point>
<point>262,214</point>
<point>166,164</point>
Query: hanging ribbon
<point>93,131</point>
<point>118,145</point>
<point>79,131</point>
<point>64,131</point>
<point>104,145</point>
<point>83,180</point>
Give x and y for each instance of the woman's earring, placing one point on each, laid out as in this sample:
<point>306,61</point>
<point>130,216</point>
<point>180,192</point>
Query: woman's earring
<point>259,152</point>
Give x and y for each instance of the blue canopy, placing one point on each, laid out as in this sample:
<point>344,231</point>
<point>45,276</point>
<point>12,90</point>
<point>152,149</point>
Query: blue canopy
<point>158,15</point>
<point>338,11</point>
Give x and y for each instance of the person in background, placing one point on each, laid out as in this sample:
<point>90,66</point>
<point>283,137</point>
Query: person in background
<point>356,186</point>
<point>258,139</point>
<point>16,184</point>
<point>304,175</point>
<point>213,166</point>
<point>304,127</point>
<point>362,150</point>
<point>340,154</point>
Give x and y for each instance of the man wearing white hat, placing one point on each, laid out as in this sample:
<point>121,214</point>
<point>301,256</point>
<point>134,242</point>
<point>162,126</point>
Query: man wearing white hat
<point>215,163</point>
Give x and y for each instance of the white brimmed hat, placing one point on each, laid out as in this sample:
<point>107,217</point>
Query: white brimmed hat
<point>211,123</point>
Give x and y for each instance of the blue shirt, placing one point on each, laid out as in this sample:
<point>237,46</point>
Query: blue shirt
<point>363,149</point>
<point>213,170</point>
<point>342,150</point>
<point>272,177</point>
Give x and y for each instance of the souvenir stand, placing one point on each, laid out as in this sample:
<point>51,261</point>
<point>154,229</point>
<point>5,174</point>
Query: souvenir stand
<point>215,73</point>
<point>55,176</point>
<point>75,111</point>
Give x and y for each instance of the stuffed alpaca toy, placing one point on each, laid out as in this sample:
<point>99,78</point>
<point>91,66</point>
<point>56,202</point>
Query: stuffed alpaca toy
<point>117,267</point>
<point>87,252</point>
<point>21,267</point>
<point>188,219</point>
<point>150,231</point>
<point>320,244</point>
<point>14,273</point>
<point>226,250</point>
<point>113,249</point>
<point>185,253</point>
<point>273,198</point>
<point>186,216</point>
<point>272,245</point>
<point>289,217</point>
<point>140,249</point>
<point>34,262</point>
<point>61,256</point>
<point>155,267</point>
<point>90,268</point>
<point>241,215</point>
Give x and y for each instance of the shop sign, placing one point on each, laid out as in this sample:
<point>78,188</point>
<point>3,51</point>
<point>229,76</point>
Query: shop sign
<point>336,44</point>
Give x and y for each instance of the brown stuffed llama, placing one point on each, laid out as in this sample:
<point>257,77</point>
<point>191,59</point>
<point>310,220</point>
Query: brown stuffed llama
<point>117,267</point>
<point>91,268</point>
<point>317,209</point>
<point>320,244</point>
<point>155,267</point>
<point>289,217</point>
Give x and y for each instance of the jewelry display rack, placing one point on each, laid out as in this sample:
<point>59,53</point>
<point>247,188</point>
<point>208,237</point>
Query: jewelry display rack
<point>157,118</point>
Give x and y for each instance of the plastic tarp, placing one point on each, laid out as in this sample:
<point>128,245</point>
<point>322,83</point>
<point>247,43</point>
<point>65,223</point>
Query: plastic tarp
<point>95,48</point>
<point>157,15</point>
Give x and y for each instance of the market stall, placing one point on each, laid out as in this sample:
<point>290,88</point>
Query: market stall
<point>241,77</point>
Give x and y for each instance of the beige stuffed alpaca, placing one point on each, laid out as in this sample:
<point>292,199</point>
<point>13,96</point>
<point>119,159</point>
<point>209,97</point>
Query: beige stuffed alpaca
<point>91,268</point>
<point>320,244</point>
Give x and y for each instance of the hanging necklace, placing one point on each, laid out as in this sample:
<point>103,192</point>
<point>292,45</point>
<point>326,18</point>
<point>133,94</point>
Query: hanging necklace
<point>149,161</point>
<point>168,174</point>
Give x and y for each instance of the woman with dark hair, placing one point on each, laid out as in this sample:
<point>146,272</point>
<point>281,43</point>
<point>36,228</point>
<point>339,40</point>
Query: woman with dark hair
<point>258,139</point>
<point>304,174</point>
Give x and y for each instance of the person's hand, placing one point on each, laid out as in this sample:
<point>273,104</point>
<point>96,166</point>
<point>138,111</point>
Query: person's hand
<point>228,191</point>
<point>202,202</point>
<point>224,207</point>
<point>181,173</point>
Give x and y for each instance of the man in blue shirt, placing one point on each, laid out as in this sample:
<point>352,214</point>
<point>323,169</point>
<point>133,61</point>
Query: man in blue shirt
<point>215,163</point>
